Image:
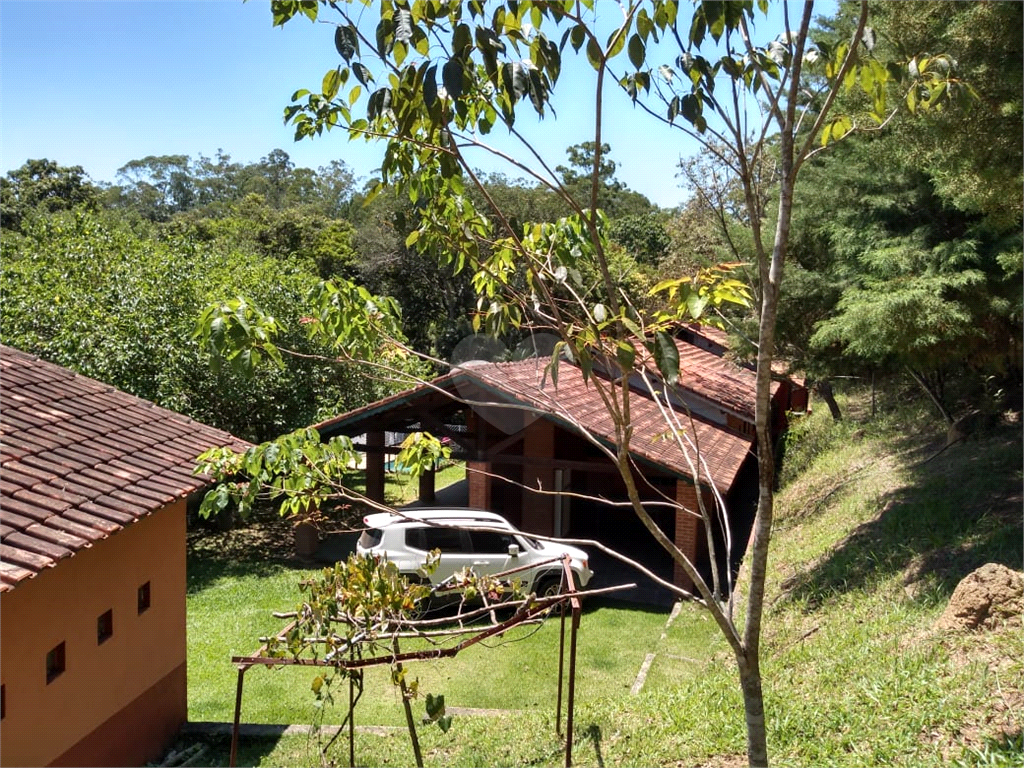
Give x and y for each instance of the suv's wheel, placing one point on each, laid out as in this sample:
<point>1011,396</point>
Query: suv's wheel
<point>549,586</point>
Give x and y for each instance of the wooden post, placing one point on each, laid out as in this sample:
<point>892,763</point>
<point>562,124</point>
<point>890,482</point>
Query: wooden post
<point>375,460</point>
<point>427,495</point>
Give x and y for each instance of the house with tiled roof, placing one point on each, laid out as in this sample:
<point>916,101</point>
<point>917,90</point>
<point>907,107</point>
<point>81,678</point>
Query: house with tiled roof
<point>94,484</point>
<point>532,446</point>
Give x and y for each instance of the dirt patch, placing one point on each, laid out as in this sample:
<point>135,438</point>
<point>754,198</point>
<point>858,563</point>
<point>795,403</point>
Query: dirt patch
<point>720,761</point>
<point>991,596</point>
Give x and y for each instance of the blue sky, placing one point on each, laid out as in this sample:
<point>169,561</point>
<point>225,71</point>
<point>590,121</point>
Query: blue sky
<point>98,84</point>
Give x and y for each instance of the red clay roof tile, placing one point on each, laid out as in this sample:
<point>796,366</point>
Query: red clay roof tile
<point>576,401</point>
<point>80,460</point>
<point>39,546</point>
<point>25,558</point>
<point>17,521</point>
<point>57,537</point>
<point>114,511</point>
<point>11,574</point>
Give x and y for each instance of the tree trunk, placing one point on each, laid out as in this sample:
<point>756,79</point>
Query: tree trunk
<point>936,397</point>
<point>823,389</point>
<point>753,706</point>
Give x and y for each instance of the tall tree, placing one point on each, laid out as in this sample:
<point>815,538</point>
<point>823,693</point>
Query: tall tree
<point>44,185</point>
<point>909,251</point>
<point>435,77</point>
<point>84,291</point>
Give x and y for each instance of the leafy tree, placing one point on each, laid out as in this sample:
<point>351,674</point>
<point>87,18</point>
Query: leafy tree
<point>610,194</point>
<point>89,294</point>
<point>445,74</point>
<point>158,186</point>
<point>642,235</point>
<point>45,186</point>
<point>901,270</point>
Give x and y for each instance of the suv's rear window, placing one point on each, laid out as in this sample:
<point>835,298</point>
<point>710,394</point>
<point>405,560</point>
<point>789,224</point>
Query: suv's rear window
<point>371,538</point>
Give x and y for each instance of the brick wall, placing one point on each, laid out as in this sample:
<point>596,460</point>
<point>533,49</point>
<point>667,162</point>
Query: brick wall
<point>689,530</point>
<point>538,509</point>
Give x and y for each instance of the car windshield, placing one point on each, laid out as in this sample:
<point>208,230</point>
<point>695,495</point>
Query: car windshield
<point>534,543</point>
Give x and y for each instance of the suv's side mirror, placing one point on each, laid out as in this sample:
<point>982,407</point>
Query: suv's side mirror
<point>513,550</point>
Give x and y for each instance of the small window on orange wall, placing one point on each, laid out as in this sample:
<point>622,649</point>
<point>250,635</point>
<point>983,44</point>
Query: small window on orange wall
<point>104,627</point>
<point>55,663</point>
<point>144,598</point>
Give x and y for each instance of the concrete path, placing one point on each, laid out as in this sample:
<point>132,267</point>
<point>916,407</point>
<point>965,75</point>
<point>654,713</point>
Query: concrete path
<point>645,667</point>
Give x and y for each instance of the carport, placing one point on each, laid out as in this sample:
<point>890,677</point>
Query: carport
<point>533,453</point>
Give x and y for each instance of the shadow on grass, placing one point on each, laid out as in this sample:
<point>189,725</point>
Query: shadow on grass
<point>997,751</point>
<point>252,750</point>
<point>960,511</point>
<point>594,734</point>
<point>263,545</point>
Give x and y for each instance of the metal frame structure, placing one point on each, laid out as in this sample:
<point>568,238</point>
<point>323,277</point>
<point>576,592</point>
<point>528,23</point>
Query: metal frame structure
<point>531,611</point>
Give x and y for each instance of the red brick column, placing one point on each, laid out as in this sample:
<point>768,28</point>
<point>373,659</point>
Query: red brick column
<point>688,530</point>
<point>539,509</point>
<point>479,484</point>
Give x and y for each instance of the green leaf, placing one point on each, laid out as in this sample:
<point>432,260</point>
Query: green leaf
<point>346,41</point>
<point>435,706</point>
<point>868,38</point>
<point>362,73</point>
<point>616,42</point>
<point>637,51</point>
<point>666,357</point>
<point>451,76</point>
<point>331,83</point>
<point>626,355</point>
<point>403,25</point>
<point>462,38</point>
<point>594,53</point>
<point>577,36</point>
<point>430,85</point>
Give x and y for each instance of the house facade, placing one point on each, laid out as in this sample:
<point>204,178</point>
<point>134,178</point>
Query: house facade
<point>533,449</point>
<point>94,484</point>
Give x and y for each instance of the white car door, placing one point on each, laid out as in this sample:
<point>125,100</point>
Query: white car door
<point>490,552</point>
<point>454,545</point>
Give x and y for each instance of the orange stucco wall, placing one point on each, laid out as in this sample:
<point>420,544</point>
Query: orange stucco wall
<point>101,682</point>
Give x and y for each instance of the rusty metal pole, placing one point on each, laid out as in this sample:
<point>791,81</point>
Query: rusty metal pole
<point>572,682</point>
<point>561,667</point>
<point>238,716</point>
<point>352,717</point>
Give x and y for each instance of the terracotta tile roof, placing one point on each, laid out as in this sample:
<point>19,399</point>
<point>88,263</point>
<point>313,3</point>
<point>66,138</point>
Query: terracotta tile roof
<point>706,374</point>
<point>577,400</point>
<point>80,460</point>
<point>715,335</point>
<point>719,380</point>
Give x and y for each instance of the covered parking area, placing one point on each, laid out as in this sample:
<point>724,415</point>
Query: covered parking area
<point>537,454</point>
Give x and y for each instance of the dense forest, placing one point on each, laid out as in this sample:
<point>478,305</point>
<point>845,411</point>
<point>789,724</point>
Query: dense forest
<point>905,258</point>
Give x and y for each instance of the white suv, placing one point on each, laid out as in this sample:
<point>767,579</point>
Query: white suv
<point>406,539</point>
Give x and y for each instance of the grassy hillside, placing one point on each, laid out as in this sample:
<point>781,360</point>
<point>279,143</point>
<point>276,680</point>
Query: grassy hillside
<point>878,520</point>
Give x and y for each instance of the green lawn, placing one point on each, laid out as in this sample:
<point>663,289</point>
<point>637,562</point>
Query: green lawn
<point>875,528</point>
<point>516,672</point>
